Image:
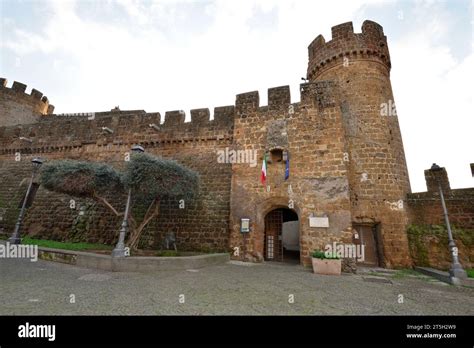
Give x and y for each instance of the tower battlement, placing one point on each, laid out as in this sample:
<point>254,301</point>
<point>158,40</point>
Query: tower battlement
<point>18,91</point>
<point>279,98</point>
<point>370,44</point>
<point>18,107</point>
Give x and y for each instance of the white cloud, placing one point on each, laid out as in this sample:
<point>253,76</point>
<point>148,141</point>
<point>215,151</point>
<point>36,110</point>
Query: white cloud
<point>434,100</point>
<point>140,66</point>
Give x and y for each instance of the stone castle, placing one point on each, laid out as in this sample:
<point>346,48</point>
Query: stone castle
<point>348,180</point>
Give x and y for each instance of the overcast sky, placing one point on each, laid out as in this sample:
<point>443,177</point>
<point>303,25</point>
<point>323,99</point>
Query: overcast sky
<point>167,55</point>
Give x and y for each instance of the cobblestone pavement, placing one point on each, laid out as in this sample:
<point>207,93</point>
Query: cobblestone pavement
<point>36,288</point>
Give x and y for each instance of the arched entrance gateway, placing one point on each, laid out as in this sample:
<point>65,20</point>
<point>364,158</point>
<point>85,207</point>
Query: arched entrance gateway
<point>282,236</point>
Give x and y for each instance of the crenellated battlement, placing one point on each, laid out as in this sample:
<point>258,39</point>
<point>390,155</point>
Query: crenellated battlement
<point>247,101</point>
<point>68,131</point>
<point>129,126</point>
<point>320,94</point>
<point>370,44</point>
<point>17,93</point>
<point>174,118</point>
<point>200,116</point>
<point>278,98</point>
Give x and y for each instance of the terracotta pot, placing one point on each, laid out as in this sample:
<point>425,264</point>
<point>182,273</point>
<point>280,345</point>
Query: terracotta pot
<point>326,266</point>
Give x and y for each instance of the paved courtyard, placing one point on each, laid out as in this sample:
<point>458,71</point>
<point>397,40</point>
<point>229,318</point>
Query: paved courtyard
<point>35,288</point>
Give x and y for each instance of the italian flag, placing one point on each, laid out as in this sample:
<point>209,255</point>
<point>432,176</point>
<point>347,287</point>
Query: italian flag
<point>263,175</point>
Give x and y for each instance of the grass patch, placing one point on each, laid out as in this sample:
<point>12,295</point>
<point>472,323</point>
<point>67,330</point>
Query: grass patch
<point>470,273</point>
<point>167,253</point>
<point>406,272</point>
<point>65,245</point>
<point>172,253</point>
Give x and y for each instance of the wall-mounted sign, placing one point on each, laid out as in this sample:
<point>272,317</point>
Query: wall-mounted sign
<point>318,221</point>
<point>244,225</point>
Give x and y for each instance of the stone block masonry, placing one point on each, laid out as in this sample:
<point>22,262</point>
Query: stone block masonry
<point>344,156</point>
<point>427,232</point>
<point>201,225</point>
<point>17,107</point>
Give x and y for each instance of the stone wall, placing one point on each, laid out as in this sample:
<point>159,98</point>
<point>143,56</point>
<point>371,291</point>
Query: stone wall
<point>17,107</point>
<point>347,160</point>
<point>428,234</point>
<point>202,224</point>
<point>311,133</point>
<point>429,245</point>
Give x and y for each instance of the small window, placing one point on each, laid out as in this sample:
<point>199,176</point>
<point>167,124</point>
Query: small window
<point>277,155</point>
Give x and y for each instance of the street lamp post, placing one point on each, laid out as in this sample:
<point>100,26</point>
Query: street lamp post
<point>456,272</point>
<point>16,236</point>
<point>120,250</point>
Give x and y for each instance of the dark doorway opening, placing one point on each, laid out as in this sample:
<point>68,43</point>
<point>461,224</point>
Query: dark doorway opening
<point>282,236</point>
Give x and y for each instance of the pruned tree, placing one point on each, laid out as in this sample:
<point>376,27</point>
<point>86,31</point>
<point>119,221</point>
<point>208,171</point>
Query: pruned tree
<point>153,179</point>
<point>150,178</point>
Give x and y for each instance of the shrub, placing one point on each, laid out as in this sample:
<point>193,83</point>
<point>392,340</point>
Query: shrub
<point>318,254</point>
<point>150,179</point>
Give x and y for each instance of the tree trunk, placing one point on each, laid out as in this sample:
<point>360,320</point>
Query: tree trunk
<point>136,231</point>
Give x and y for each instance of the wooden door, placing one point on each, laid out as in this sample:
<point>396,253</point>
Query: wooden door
<point>273,243</point>
<point>368,238</point>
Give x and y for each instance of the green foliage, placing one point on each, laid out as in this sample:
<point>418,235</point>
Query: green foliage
<point>318,254</point>
<point>418,248</point>
<point>167,253</point>
<point>403,273</point>
<point>150,179</point>
<point>148,176</point>
<point>208,250</point>
<point>418,234</point>
<point>65,245</point>
<point>466,236</point>
<point>470,272</point>
<point>79,178</point>
<point>9,208</point>
<point>151,176</point>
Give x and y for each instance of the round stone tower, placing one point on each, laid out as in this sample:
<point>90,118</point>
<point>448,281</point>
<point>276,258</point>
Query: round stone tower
<point>17,107</point>
<point>360,65</point>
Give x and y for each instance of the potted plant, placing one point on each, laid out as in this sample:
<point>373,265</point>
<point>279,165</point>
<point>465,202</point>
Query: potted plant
<point>326,263</point>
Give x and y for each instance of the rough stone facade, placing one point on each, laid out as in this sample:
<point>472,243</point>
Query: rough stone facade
<point>202,224</point>
<point>17,107</point>
<point>347,160</point>
<point>427,233</point>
